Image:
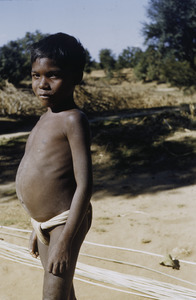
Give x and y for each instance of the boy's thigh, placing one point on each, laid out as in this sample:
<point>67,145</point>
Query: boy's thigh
<point>56,232</point>
<point>61,285</point>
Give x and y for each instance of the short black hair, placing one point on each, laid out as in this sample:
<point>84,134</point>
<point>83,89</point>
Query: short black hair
<point>64,49</point>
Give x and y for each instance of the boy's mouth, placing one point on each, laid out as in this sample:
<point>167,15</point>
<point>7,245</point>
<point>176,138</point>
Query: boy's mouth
<point>44,96</point>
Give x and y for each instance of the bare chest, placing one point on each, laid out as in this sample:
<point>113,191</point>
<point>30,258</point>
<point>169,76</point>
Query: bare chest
<point>47,147</point>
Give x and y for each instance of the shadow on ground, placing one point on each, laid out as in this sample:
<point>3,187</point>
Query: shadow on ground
<point>132,155</point>
<point>16,124</point>
<point>145,156</point>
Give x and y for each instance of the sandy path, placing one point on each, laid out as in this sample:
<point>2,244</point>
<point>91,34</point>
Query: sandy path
<point>159,223</point>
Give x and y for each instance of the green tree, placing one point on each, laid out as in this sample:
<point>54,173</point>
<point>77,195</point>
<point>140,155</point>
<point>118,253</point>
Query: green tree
<point>148,66</point>
<point>91,64</point>
<point>107,61</point>
<point>177,73</point>
<point>15,58</point>
<point>88,62</point>
<point>128,58</point>
<point>173,28</point>
<point>11,61</point>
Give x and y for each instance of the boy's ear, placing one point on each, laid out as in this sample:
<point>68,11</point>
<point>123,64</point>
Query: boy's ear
<point>78,77</point>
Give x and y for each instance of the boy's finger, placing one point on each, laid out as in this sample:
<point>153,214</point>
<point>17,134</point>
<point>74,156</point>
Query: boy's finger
<point>67,264</point>
<point>34,255</point>
<point>55,269</point>
<point>62,268</point>
<point>50,267</point>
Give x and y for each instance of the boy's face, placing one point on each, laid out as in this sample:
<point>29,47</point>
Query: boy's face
<point>50,84</point>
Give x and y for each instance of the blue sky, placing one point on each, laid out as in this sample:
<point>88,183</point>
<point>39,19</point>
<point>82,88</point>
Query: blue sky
<point>99,24</point>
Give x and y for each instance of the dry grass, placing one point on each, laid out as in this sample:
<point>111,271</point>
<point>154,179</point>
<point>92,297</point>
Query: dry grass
<point>123,91</point>
<point>20,102</point>
<point>99,94</point>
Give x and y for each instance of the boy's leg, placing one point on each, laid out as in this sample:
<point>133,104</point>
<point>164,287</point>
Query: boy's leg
<point>61,287</point>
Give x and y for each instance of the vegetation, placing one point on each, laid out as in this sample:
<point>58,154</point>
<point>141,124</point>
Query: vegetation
<point>15,58</point>
<point>172,29</point>
<point>107,61</point>
<point>129,58</point>
<point>90,63</point>
<point>18,102</point>
<point>170,38</point>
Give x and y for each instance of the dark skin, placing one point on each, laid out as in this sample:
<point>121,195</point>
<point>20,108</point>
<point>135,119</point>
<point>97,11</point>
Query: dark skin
<point>55,175</point>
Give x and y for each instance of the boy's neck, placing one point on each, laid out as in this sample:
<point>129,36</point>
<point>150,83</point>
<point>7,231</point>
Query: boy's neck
<point>68,104</point>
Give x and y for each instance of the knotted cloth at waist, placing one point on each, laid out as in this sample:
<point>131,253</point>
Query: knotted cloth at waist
<point>39,227</point>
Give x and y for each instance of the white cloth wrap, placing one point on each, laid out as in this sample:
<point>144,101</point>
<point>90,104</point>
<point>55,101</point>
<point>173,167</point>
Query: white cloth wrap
<point>40,226</point>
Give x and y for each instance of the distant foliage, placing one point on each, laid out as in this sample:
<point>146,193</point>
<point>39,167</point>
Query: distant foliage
<point>170,55</point>
<point>177,73</point>
<point>12,62</point>
<point>173,28</point>
<point>107,61</point>
<point>15,58</point>
<point>90,63</point>
<point>129,58</point>
<point>171,39</point>
<point>148,67</point>
<point>153,67</point>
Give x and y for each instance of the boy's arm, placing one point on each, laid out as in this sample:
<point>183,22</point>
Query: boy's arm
<point>33,248</point>
<point>79,139</point>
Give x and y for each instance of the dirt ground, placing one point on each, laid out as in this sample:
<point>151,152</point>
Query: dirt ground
<point>161,223</point>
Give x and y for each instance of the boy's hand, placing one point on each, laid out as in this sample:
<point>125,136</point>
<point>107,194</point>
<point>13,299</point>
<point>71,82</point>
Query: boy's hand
<point>59,258</point>
<point>33,248</point>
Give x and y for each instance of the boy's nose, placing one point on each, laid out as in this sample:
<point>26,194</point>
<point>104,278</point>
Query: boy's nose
<point>43,84</point>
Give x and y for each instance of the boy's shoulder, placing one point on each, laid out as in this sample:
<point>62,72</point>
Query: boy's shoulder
<point>74,118</point>
<point>74,115</point>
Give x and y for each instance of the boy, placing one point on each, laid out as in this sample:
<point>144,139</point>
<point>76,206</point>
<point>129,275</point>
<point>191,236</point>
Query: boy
<point>54,179</point>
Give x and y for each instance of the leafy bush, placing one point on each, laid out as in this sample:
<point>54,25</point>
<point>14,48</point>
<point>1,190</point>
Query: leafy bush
<point>148,67</point>
<point>128,58</point>
<point>178,73</point>
<point>153,67</point>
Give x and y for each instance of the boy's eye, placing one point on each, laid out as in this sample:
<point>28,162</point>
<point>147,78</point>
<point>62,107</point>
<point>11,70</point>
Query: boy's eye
<point>35,75</point>
<point>50,75</point>
<point>54,75</point>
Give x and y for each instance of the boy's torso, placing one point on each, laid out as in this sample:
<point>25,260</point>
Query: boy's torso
<point>45,181</point>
